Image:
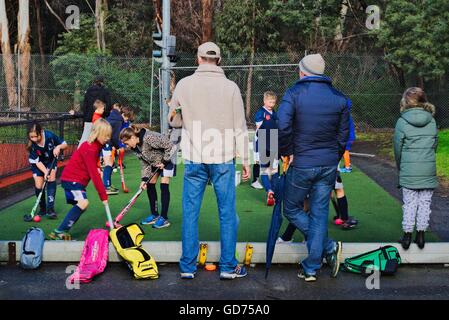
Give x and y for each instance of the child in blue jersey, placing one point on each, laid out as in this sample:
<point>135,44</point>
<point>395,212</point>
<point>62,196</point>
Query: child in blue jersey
<point>266,149</point>
<point>118,119</point>
<point>129,117</point>
<point>44,146</point>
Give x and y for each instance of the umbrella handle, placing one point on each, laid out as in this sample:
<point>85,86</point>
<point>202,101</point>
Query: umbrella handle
<point>285,163</point>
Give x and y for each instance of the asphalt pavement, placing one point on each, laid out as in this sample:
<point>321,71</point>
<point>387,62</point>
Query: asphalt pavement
<point>116,283</point>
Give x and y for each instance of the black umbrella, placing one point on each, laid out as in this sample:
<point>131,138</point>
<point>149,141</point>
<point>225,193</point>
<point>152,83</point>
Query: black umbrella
<point>276,220</point>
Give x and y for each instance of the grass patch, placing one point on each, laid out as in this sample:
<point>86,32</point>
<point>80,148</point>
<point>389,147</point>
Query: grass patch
<point>443,155</point>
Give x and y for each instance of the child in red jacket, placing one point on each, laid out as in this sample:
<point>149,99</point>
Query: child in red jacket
<point>76,176</point>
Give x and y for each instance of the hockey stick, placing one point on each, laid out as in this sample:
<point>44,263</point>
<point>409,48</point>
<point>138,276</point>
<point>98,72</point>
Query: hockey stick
<point>335,204</point>
<point>130,203</point>
<point>122,174</point>
<point>30,217</point>
<point>110,224</point>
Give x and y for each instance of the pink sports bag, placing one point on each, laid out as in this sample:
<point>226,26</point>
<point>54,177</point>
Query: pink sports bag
<point>94,257</point>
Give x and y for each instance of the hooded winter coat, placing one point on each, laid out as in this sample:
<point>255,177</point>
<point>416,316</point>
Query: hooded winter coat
<point>415,144</point>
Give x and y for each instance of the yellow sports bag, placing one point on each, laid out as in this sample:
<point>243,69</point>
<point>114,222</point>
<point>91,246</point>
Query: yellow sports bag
<point>127,240</point>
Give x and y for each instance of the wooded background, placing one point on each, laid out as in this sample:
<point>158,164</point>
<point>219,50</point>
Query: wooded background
<point>46,66</point>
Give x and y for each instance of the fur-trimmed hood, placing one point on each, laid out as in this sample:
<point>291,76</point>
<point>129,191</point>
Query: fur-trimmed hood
<point>426,106</point>
<point>419,115</point>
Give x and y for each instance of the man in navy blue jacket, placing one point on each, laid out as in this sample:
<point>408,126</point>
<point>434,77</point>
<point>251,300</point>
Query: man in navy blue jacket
<point>313,131</point>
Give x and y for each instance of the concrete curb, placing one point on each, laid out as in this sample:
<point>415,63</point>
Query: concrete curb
<point>170,251</point>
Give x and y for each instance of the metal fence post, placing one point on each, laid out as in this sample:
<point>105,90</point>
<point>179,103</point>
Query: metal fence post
<point>61,128</point>
<point>152,90</point>
<point>18,83</point>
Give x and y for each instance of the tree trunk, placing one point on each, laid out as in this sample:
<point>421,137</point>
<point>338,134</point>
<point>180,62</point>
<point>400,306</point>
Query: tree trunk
<point>8,64</point>
<point>157,5</point>
<point>249,87</point>
<point>207,18</point>
<point>33,106</point>
<point>421,82</point>
<point>339,29</point>
<point>37,7</point>
<point>100,9</point>
<point>249,80</point>
<point>43,74</point>
<point>24,49</point>
<point>76,97</point>
<point>104,12</point>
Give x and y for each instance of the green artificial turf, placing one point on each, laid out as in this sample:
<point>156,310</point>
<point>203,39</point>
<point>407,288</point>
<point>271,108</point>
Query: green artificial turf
<point>378,213</point>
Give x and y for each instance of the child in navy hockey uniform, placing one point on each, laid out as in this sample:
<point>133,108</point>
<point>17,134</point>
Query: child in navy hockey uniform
<point>44,146</point>
<point>266,153</point>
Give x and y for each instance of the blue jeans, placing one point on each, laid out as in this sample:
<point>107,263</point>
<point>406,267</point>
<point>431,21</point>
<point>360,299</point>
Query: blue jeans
<point>317,182</point>
<point>196,176</point>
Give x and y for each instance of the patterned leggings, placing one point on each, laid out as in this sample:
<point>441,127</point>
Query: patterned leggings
<point>416,207</point>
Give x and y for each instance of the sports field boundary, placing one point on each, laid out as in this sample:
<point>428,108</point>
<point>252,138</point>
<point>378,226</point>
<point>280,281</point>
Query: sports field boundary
<point>170,251</point>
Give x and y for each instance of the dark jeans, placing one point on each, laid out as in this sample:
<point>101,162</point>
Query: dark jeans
<point>318,182</point>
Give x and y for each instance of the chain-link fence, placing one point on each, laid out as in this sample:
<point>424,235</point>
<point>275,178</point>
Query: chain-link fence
<point>372,84</point>
<point>57,84</point>
<point>14,139</point>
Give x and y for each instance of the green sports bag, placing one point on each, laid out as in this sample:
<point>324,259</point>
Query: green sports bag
<point>385,259</point>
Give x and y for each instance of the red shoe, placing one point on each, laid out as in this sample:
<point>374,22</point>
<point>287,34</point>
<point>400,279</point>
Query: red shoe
<point>270,199</point>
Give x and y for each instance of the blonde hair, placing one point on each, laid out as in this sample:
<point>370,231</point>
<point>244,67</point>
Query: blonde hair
<point>269,94</point>
<point>101,128</point>
<point>415,97</point>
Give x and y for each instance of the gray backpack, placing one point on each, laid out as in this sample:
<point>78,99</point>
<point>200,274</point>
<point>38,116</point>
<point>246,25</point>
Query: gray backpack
<point>32,248</point>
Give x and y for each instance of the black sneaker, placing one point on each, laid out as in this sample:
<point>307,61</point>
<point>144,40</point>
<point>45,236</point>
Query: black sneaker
<point>303,275</point>
<point>349,224</point>
<point>406,240</point>
<point>419,239</point>
<point>334,259</point>
<point>51,214</point>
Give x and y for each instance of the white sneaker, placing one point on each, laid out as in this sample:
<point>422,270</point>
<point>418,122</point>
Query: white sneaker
<point>280,240</point>
<point>187,275</point>
<point>256,185</point>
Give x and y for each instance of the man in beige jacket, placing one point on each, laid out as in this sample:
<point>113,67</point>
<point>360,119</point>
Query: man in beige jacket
<point>209,108</point>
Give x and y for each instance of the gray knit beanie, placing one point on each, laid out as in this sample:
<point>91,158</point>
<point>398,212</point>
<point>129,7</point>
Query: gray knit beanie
<point>312,64</point>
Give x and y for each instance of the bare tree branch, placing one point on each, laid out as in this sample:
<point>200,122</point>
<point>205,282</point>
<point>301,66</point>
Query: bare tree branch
<point>56,15</point>
<point>92,10</point>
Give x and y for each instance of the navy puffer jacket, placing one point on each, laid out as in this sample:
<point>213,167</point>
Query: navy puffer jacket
<point>313,123</point>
